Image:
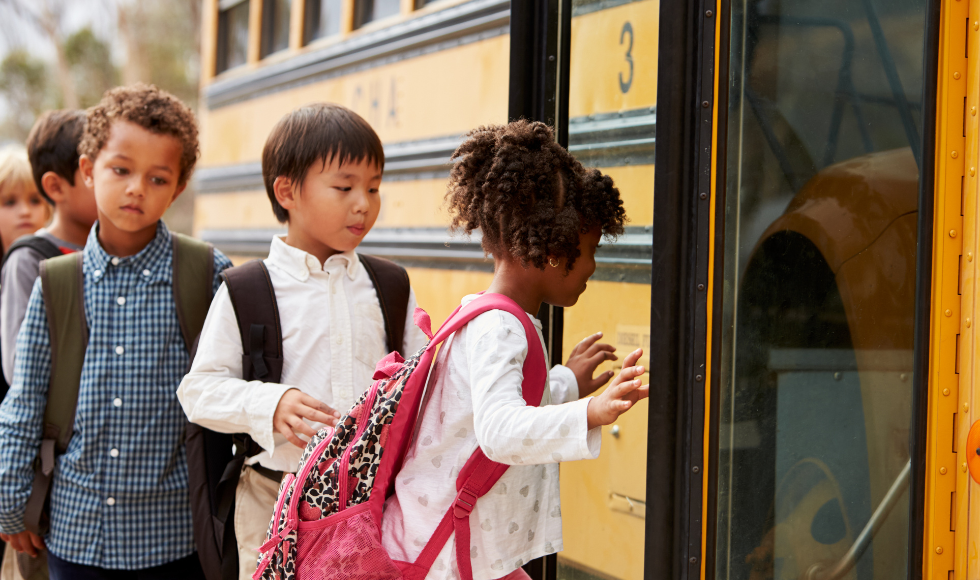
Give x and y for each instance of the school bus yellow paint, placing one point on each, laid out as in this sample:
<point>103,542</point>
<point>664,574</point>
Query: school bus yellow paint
<point>439,292</point>
<point>942,515</point>
<point>596,534</point>
<point>613,54</point>
<point>444,93</point>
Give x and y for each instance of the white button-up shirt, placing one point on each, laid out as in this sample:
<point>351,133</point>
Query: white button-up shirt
<point>477,399</point>
<point>333,335</point>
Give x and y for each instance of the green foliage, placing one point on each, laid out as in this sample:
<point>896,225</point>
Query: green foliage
<point>26,87</point>
<point>91,66</point>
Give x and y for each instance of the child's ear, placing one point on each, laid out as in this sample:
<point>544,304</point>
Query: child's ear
<point>86,167</point>
<point>53,186</point>
<point>180,190</point>
<point>286,192</point>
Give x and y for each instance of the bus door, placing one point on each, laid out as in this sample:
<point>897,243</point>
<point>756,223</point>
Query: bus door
<point>790,338</point>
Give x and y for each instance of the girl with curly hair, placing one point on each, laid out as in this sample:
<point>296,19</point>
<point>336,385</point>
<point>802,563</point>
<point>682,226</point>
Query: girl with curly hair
<point>541,215</point>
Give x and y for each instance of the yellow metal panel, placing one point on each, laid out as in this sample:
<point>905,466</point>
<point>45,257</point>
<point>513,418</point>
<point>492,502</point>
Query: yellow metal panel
<point>614,59</point>
<point>209,39</point>
<point>944,550</point>
<point>597,534</point>
<point>439,292</point>
<point>254,31</point>
<point>297,16</point>
<point>243,210</point>
<point>443,93</point>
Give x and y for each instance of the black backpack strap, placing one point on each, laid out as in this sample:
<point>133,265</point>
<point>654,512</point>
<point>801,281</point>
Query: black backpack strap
<point>254,300</point>
<point>39,244</point>
<point>393,287</point>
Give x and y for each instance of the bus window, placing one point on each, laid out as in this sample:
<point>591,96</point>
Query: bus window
<point>275,26</point>
<point>232,35</point>
<point>366,11</point>
<point>823,159</point>
<point>322,19</point>
<point>612,120</point>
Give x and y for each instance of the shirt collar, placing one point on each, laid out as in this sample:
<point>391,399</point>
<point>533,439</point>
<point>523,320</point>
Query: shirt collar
<point>150,259</point>
<point>300,264</point>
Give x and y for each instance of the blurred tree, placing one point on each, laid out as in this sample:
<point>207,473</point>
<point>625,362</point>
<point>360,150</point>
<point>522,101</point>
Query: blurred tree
<point>90,62</point>
<point>24,82</point>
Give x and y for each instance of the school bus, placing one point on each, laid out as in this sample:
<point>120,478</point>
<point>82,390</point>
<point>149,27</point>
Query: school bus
<point>801,274</point>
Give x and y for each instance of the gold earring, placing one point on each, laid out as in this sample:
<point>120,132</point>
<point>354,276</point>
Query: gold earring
<point>553,262</point>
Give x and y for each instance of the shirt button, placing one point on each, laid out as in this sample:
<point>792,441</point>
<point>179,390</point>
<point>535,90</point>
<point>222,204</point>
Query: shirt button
<point>97,273</point>
<point>120,350</point>
<point>114,453</point>
<point>340,340</point>
<point>121,300</point>
<point>111,501</point>
<point>117,402</point>
<point>115,261</point>
<point>146,273</point>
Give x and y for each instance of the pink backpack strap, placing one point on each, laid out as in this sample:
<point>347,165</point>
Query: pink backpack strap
<point>480,473</point>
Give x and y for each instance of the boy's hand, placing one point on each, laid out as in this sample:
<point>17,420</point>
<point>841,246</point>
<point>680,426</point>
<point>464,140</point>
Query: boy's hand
<point>583,360</point>
<point>294,406</point>
<point>622,394</point>
<point>27,542</point>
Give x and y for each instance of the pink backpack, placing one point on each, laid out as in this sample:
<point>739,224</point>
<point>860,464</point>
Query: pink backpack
<point>327,520</point>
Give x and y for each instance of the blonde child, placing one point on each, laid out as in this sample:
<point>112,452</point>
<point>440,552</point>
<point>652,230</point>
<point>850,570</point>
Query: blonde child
<point>22,209</point>
<point>542,216</point>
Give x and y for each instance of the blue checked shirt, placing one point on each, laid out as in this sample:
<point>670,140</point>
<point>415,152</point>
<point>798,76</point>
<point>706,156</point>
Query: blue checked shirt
<point>119,497</point>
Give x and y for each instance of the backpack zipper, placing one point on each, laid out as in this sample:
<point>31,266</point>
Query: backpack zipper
<point>342,474</point>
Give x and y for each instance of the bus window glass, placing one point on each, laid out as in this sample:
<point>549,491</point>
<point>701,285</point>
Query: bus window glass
<point>232,35</point>
<point>824,124</point>
<point>322,19</point>
<point>612,120</point>
<point>275,26</point>
<point>423,3</point>
<point>366,11</point>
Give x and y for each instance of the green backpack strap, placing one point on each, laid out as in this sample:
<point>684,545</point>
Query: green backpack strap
<point>62,284</point>
<point>193,284</point>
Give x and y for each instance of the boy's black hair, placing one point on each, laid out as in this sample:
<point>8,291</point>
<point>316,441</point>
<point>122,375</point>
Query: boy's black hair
<point>528,195</point>
<point>317,133</point>
<point>52,145</point>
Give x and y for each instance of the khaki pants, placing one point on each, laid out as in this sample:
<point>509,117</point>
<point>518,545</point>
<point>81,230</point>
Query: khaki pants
<point>255,500</point>
<point>37,567</point>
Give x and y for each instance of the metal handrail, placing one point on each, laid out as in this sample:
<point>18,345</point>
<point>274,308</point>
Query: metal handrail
<point>819,571</point>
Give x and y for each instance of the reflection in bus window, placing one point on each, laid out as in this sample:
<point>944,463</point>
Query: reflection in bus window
<point>822,198</point>
<point>232,35</point>
<point>370,10</point>
<point>275,26</point>
<point>322,19</point>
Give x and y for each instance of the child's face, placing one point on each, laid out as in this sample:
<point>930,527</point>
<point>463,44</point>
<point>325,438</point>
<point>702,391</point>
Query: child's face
<point>75,202</point>
<point>134,177</point>
<point>336,206</point>
<point>564,290</point>
<point>22,211</point>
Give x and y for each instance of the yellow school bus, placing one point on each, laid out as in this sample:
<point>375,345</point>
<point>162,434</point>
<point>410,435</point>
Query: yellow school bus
<point>801,274</point>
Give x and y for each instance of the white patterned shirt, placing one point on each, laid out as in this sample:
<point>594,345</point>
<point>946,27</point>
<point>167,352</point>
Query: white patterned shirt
<point>333,336</point>
<point>477,400</point>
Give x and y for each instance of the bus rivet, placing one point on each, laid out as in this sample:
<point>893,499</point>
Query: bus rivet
<point>969,256</point>
<point>954,154</point>
<point>948,312</point>
<point>551,58</point>
<point>700,286</point>
<point>838,376</point>
<point>709,13</point>
<point>963,467</point>
<point>697,378</point>
<point>966,407</point>
<point>976,25</point>
<point>973,111</point>
<point>942,470</point>
<point>705,104</point>
<point>939,549</point>
<point>693,560</point>
<point>945,392</point>
<point>952,233</point>
<point>973,171</point>
<point>695,469</point>
<point>903,377</point>
<point>968,323</point>
<point>704,195</point>
<point>956,75</point>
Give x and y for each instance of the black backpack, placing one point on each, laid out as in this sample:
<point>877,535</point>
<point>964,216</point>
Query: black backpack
<point>213,468</point>
<point>48,250</point>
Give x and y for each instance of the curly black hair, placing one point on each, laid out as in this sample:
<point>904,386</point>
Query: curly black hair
<point>528,195</point>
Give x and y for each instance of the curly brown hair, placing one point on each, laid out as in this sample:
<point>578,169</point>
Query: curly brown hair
<point>149,107</point>
<point>528,195</point>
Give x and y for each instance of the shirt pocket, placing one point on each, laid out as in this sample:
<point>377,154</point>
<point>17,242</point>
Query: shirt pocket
<point>370,340</point>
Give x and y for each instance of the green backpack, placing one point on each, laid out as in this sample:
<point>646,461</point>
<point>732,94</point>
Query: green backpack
<point>62,283</point>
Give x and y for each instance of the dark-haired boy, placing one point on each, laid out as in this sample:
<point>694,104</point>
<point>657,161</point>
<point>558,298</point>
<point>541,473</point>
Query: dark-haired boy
<point>322,167</point>
<point>52,148</point>
<point>119,504</point>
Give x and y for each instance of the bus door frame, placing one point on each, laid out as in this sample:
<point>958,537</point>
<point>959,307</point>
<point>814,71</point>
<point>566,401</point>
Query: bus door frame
<point>685,339</point>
